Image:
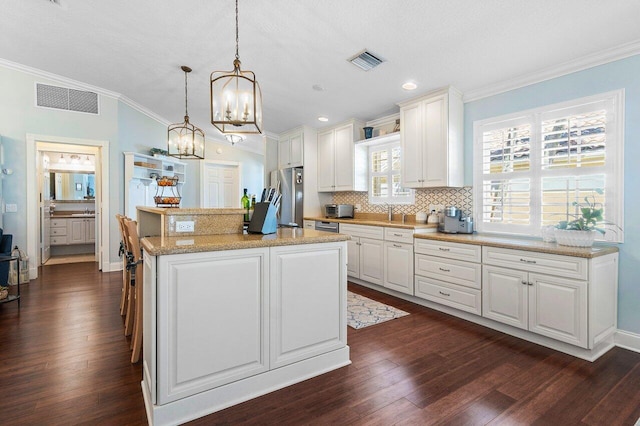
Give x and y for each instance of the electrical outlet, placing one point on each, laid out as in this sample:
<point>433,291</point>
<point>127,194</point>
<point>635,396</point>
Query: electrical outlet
<point>11,208</point>
<point>185,226</point>
<point>358,207</point>
<point>437,207</point>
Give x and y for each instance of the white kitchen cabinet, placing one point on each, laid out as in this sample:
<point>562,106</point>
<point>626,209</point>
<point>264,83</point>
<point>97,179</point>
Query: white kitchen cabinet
<point>309,224</point>
<point>298,329</point>
<point>398,266</point>
<point>205,340</point>
<point>567,298</point>
<point>380,255</point>
<point>431,136</point>
<point>226,326</point>
<point>552,306</point>
<point>342,166</point>
<point>365,252</point>
<point>372,260</point>
<point>449,273</point>
<point>140,186</point>
<point>291,149</point>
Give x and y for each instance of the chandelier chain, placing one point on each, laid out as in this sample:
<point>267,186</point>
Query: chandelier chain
<point>186,108</point>
<point>237,38</point>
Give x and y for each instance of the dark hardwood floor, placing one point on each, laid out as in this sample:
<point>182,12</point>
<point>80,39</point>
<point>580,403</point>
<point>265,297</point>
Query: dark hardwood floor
<point>65,361</point>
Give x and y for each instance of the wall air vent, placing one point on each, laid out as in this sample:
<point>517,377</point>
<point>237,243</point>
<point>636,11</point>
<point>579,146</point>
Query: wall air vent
<point>366,60</point>
<point>67,99</point>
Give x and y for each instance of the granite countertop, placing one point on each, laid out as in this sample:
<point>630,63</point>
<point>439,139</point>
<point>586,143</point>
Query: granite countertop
<point>189,211</point>
<point>158,246</point>
<point>408,224</point>
<point>522,243</point>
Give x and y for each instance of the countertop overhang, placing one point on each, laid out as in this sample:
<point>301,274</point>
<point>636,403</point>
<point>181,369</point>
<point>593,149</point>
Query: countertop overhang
<point>522,243</point>
<point>158,246</point>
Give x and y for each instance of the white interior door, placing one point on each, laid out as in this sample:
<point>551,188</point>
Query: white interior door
<point>221,185</point>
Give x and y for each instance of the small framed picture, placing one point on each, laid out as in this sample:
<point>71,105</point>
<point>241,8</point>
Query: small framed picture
<point>78,187</point>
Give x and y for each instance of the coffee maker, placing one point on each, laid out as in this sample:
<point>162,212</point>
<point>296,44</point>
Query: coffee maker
<point>454,223</point>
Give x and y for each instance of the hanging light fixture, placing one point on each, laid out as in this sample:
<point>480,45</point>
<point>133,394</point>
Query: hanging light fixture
<point>185,140</point>
<point>236,99</point>
<point>233,138</point>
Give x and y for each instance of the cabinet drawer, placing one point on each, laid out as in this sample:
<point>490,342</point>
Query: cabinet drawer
<point>58,223</point>
<point>453,271</point>
<point>463,298</point>
<point>375,232</point>
<point>58,231</point>
<point>59,240</point>
<point>456,251</point>
<point>552,264</point>
<point>398,235</point>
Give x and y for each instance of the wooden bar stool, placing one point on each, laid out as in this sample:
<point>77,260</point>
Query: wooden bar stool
<point>129,280</point>
<point>134,242</point>
<point>124,253</point>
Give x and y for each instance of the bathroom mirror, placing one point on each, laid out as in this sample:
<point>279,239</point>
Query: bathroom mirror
<point>72,186</point>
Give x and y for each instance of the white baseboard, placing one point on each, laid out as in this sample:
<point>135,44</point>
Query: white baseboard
<point>628,340</point>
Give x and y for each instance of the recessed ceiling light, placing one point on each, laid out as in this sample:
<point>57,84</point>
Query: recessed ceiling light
<point>323,118</point>
<point>409,85</point>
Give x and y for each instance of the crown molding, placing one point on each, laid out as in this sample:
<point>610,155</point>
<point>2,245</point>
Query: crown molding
<point>589,61</point>
<point>75,84</point>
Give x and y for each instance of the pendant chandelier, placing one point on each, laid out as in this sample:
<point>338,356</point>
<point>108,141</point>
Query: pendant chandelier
<point>185,140</point>
<point>236,99</point>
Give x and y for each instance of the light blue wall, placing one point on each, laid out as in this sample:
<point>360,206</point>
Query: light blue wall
<point>126,129</point>
<point>19,116</point>
<point>622,74</point>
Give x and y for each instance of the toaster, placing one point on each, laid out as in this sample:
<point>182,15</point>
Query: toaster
<point>338,210</point>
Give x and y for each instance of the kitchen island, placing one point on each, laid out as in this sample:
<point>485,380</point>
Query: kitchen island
<point>230,317</point>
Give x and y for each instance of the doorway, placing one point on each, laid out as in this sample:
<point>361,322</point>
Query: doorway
<point>67,186</point>
<point>220,184</point>
<point>36,146</point>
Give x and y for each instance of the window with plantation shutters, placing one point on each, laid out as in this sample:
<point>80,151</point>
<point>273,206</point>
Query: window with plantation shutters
<point>384,176</point>
<point>533,167</point>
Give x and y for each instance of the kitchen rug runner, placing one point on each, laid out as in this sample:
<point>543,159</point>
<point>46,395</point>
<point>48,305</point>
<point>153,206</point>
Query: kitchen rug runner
<point>363,312</point>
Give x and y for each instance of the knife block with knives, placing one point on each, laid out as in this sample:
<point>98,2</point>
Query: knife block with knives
<point>264,219</point>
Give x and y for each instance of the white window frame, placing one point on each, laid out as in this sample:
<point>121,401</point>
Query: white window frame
<point>613,168</point>
<point>390,199</point>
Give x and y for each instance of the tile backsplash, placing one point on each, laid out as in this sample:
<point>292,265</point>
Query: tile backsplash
<point>459,197</point>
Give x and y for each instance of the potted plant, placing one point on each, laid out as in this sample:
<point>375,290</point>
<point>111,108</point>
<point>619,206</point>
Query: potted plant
<point>581,231</point>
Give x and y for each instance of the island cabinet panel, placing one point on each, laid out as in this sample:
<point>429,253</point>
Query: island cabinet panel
<point>308,294</point>
<point>213,320</point>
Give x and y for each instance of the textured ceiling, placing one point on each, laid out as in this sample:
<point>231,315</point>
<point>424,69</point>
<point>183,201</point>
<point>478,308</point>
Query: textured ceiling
<point>136,48</point>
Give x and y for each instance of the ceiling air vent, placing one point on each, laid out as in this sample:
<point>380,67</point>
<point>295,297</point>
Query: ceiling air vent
<point>366,60</point>
<point>67,99</point>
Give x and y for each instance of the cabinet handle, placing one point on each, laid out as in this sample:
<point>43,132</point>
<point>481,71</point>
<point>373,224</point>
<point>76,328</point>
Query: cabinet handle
<point>444,294</point>
<point>523,282</point>
<point>444,270</point>
<point>528,261</point>
<point>443,249</point>
<point>397,245</point>
<point>529,283</point>
<point>397,235</point>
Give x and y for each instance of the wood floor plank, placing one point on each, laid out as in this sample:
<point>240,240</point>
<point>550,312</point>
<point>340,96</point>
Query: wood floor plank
<point>66,362</point>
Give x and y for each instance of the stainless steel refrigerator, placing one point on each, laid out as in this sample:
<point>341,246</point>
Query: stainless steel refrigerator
<point>290,181</point>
